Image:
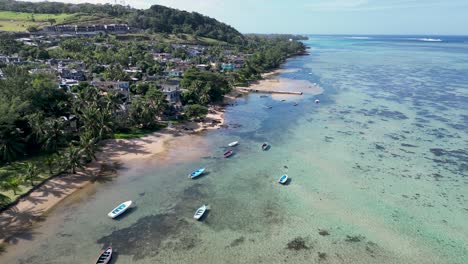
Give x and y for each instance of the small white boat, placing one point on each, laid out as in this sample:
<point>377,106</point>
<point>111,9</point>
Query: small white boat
<point>283,179</point>
<point>196,173</point>
<point>105,256</point>
<point>120,209</point>
<point>233,144</point>
<point>317,101</point>
<point>200,212</point>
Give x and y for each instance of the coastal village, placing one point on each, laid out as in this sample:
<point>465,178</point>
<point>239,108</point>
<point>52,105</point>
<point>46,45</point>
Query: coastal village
<point>80,99</point>
<point>174,60</point>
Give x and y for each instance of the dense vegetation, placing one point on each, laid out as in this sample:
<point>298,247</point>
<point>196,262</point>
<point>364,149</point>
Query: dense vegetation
<point>268,52</point>
<point>163,19</point>
<point>156,19</point>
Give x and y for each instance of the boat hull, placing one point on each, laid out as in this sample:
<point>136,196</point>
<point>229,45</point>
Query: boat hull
<point>200,212</point>
<point>120,209</point>
<point>233,144</point>
<point>196,173</point>
<point>283,179</point>
<point>105,256</point>
<point>228,153</point>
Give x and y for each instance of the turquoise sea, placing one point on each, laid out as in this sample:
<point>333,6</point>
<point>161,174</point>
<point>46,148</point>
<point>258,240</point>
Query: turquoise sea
<point>379,172</point>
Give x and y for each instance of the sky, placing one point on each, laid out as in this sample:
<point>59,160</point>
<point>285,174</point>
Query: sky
<point>421,17</point>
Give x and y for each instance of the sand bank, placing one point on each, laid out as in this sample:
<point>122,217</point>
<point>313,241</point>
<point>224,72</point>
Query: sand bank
<point>271,82</point>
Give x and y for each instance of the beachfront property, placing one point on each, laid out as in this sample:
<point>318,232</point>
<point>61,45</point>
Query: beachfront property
<point>171,88</point>
<point>121,87</point>
<point>72,74</point>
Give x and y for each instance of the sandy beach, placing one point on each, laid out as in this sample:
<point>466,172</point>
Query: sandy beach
<point>114,154</point>
<point>271,83</point>
<point>118,153</point>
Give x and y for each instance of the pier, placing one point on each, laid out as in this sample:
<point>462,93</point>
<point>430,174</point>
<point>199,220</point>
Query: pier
<point>270,91</point>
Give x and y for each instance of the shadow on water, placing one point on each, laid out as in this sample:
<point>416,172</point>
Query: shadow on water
<point>115,257</point>
<point>205,215</point>
<point>288,182</point>
<point>206,173</point>
<point>126,214</point>
<point>144,239</point>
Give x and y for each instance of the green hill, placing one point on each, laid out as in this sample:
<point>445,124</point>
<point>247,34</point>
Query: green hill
<point>18,15</point>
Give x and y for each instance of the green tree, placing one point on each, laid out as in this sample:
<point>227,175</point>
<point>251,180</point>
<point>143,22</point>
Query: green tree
<point>51,21</point>
<point>50,161</point>
<point>32,28</point>
<point>32,173</point>
<point>11,144</point>
<point>88,145</point>
<point>73,159</point>
<point>195,111</point>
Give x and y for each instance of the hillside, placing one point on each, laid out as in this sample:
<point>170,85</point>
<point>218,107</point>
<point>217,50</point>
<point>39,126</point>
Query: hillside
<point>18,16</point>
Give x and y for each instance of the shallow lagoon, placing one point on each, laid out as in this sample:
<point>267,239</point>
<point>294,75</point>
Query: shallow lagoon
<point>378,173</point>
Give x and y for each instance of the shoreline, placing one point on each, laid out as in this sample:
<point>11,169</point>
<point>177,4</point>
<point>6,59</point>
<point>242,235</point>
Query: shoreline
<point>32,208</point>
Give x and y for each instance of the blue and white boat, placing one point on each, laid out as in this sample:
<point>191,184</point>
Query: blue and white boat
<point>197,173</point>
<point>283,179</point>
<point>120,209</point>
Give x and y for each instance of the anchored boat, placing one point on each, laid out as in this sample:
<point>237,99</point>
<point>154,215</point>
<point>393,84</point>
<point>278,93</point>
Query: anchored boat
<point>265,146</point>
<point>228,153</point>
<point>120,209</point>
<point>196,173</point>
<point>233,144</point>
<point>200,212</point>
<point>105,256</point>
<point>283,179</point>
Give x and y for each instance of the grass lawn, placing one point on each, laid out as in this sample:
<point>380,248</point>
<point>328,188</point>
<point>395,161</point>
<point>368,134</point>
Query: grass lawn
<point>20,21</point>
<point>20,16</point>
<point>18,169</point>
<point>17,26</point>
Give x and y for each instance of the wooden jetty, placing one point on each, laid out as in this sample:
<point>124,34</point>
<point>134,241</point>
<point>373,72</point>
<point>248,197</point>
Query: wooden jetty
<point>270,91</point>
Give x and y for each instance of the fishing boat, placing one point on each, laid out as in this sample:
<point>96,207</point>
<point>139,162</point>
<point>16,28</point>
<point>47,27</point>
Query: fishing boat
<point>283,179</point>
<point>265,146</point>
<point>296,104</point>
<point>200,212</point>
<point>196,173</point>
<point>228,153</point>
<point>120,209</point>
<point>317,101</point>
<point>233,144</point>
<point>105,256</point>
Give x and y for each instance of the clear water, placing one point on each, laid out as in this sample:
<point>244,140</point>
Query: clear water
<point>381,165</point>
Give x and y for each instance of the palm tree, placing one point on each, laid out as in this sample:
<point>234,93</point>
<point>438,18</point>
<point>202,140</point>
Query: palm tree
<point>89,117</point>
<point>105,123</point>
<point>88,144</point>
<point>48,132</point>
<point>50,161</point>
<point>113,101</point>
<point>73,158</point>
<point>53,134</point>
<point>11,145</point>
<point>11,184</point>
<point>32,173</point>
